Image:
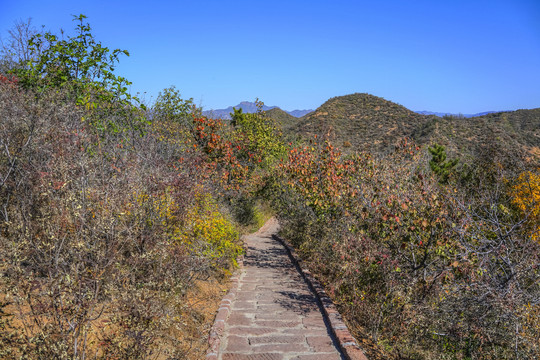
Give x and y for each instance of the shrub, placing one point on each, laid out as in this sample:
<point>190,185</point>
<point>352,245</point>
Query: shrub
<point>88,236</point>
<point>416,264</point>
<point>526,196</point>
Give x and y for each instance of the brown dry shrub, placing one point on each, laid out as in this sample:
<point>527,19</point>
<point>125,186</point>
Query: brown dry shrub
<point>89,268</point>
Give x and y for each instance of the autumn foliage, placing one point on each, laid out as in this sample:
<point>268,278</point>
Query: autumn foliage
<point>425,269</point>
<point>526,196</point>
<point>114,217</point>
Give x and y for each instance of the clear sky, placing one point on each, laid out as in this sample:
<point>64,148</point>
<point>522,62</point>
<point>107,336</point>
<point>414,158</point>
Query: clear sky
<point>449,56</point>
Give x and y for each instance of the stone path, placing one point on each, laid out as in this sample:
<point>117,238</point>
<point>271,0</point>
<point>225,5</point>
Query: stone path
<point>274,315</point>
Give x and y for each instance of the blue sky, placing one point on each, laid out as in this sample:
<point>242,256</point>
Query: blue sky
<point>449,56</point>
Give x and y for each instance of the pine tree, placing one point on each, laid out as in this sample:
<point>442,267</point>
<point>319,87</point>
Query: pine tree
<point>438,163</point>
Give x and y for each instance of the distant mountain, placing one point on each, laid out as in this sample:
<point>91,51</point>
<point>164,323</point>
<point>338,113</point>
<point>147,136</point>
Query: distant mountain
<point>440,114</point>
<point>299,113</point>
<point>365,122</point>
<point>248,107</point>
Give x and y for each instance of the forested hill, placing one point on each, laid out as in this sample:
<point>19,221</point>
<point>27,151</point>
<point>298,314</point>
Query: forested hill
<point>286,120</point>
<point>511,132</point>
<point>359,122</point>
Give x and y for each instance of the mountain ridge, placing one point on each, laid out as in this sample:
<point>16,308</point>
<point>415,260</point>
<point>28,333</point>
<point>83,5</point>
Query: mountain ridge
<point>249,107</point>
<point>442,114</point>
<point>364,122</point>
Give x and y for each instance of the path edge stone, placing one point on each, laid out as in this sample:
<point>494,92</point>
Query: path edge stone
<point>347,343</point>
<point>224,310</point>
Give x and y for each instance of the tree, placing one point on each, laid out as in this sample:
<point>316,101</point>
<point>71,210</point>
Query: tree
<point>170,106</point>
<point>15,51</point>
<point>259,133</point>
<point>79,61</point>
<point>438,163</point>
<point>84,69</point>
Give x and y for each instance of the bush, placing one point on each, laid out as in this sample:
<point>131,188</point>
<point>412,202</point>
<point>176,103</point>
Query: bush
<point>91,222</point>
<point>428,270</point>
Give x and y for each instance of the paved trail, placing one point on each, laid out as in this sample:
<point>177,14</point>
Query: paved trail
<point>274,316</point>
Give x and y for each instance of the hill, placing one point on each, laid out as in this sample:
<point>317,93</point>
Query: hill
<point>359,122</point>
<point>511,132</point>
<point>286,120</point>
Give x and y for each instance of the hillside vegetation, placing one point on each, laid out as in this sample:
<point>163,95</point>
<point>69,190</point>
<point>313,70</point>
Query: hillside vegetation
<point>363,122</point>
<point>515,131</point>
<point>285,120</point>
<point>120,223</point>
<point>113,241</point>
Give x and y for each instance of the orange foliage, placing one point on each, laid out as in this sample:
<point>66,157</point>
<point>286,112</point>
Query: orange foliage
<point>320,175</point>
<point>526,196</point>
